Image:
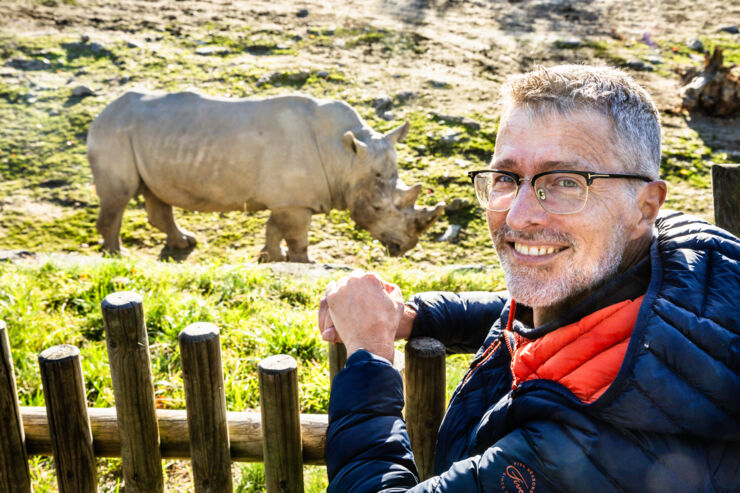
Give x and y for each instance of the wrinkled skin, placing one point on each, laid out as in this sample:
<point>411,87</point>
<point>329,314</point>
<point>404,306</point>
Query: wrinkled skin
<point>294,155</point>
<point>380,202</point>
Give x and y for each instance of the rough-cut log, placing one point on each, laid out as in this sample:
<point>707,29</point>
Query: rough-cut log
<point>726,189</point>
<point>205,401</point>
<point>245,434</point>
<point>425,399</point>
<point>128,354</point>
<point>715,90</point>
<point>14,471</point>
<point>69,428</point>
<point>278,378</point>
<point>337,359</point>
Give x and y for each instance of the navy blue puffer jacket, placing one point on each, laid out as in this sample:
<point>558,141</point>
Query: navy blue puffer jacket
<point>670,421</point>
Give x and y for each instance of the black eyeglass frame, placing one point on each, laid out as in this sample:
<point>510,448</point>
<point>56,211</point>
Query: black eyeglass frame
<point>588,175</point>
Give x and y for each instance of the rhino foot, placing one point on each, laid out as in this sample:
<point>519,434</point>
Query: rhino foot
<point>266,256</point>
<point>181,241</point>
<point>117,252</point>
<point>299,257</point>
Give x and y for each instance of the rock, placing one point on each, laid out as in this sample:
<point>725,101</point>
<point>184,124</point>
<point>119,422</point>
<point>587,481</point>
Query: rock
<point>29,63</point>
<point>314,30</point>
<point>654,59</point>
<point>302,13</point>
<point>322,73</point>
<point>81,91</point>
<point>330,30</point>
<point>639,65</point>
<point>437,84</point>
<point>295,76</point>
<point>212,50</point>
<point>463,163</point>
<point>451,137</point>
<point>729,29</point>
<point>388,116</point>
<point>96,47</point>
<point>695,44</point>
<point>277,78</point>
<point>421,149</point>
<point>457,205</point>
<point>265,79</point>
<point>84,38</point>
<point>339,43</point>
<point>569,43</point>
<point>451,234</point>
<point>382,103</point>
<point>462,120</point>
<point>132,43</point>
<point>404,96</point>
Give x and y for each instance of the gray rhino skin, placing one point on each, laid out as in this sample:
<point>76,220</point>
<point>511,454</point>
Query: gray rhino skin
<point>294,155</point>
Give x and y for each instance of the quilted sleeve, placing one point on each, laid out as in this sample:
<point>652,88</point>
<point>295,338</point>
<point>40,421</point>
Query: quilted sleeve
<point>460,321</point>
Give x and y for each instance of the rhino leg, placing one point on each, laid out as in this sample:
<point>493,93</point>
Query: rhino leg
<point>161,217</point>
<point>292,224</point>
<point>108,224</point>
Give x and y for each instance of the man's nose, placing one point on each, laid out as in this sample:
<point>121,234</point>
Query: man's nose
<point>525,211</point>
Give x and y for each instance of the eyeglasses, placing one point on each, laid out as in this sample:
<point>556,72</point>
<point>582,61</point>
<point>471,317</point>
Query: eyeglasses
<point>557,191</point>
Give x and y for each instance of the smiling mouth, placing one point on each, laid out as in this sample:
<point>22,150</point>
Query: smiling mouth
<point>535,250</point>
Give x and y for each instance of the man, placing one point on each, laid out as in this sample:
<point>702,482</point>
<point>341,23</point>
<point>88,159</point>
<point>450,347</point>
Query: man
<point>612,363</point>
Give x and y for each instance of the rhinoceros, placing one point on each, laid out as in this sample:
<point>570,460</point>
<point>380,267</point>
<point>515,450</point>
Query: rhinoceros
<point>294,155</point>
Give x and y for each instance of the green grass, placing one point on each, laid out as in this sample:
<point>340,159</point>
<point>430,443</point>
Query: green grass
<point>259,313</point>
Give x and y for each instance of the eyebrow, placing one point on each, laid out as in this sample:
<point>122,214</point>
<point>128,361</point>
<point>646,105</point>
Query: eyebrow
<point>510,164</point>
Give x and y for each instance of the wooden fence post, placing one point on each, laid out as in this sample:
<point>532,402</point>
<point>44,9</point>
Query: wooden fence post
<point>69,426</point>
<point>337,360</point>
<point>15,475</point>
<point>128,354</point>
<point>205,402</point>
<point>425,399</point>
<point>281,426</point>
<point>726,190</point>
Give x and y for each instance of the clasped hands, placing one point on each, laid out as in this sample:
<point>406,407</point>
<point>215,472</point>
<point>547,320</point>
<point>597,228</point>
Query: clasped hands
<point>364,312</point>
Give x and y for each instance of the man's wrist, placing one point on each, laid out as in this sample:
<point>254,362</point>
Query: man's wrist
<point>383,349</point>
<point>406,325</point>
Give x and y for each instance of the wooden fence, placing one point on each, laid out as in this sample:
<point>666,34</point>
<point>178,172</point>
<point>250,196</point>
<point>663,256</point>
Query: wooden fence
<point>205,432</point>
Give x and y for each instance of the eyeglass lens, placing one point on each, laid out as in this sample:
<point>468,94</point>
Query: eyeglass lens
<point>559,193</point>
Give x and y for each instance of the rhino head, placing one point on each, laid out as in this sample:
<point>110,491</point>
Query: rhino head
<point>377,199</point>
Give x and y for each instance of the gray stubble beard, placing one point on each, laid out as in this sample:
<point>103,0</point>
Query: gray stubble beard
<point>536,287</point>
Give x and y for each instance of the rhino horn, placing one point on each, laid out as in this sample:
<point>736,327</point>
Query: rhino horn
<point>424,217</point>
<point>354,145</point>
<point>406,197</point>
<point>399,133</point>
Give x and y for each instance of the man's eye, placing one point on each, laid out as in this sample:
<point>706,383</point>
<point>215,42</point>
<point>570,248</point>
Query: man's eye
<point>567,183</point>
<point>503,179</point>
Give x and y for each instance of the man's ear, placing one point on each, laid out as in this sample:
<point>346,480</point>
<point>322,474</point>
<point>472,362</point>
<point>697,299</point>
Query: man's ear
<point>649,200</point>
<point>353,145</point>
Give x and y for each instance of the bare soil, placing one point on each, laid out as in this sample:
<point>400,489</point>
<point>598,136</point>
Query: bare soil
<point>467,46</point>
<point>472,45</point>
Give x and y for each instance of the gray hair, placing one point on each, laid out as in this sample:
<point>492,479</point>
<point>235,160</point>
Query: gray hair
<point>566,89</point>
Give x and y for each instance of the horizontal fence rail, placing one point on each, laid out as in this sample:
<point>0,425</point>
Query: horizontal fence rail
<point>204,433</point>
<point>245,434</point>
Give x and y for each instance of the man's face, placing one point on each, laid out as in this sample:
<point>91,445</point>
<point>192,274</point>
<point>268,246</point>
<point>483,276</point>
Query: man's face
<point>547,257</point>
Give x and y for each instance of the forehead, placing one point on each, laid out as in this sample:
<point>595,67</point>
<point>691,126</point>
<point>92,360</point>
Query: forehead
<point>529,143</point>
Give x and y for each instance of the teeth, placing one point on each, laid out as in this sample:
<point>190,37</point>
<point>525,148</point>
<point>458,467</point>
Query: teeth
<point>534,250</point>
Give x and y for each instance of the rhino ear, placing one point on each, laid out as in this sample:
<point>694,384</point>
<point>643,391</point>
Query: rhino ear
<point>398,134</point>
<point>353,145</point>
